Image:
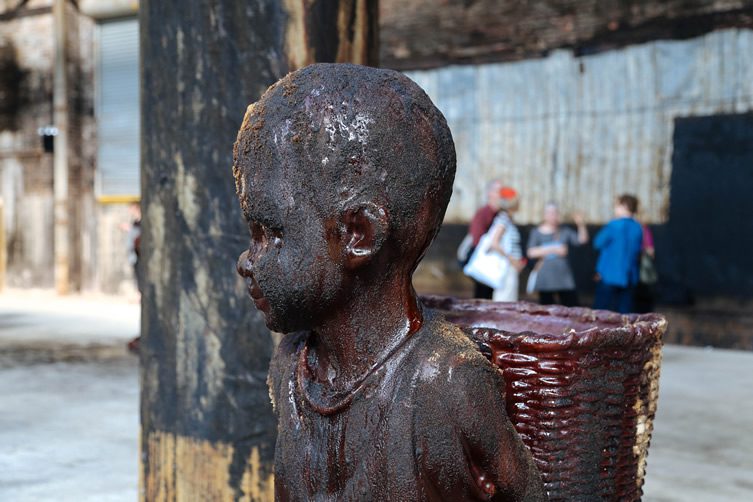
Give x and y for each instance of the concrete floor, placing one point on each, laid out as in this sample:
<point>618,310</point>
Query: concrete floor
<point>69,432</point>
<point>69,409</point>
<point>702,447</point>
<point>69,398</point>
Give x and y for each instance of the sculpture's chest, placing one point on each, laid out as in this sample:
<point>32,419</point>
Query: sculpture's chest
<point>362,452</point>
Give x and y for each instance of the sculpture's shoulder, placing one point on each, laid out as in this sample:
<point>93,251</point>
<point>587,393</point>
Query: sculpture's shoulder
<point>461,424</point>
<point>450,347</point>
<point>449,362</point>
<point>283,363</point>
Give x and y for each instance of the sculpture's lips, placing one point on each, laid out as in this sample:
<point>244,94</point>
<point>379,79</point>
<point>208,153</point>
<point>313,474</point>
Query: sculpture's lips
<point>254,291</point>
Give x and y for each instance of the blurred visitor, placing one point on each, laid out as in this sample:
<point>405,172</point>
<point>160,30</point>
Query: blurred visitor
<point>497,259</point>
<point>133,244</point>
<point>619,245</point>
<point>549,243</point>
<point>645,292</point>
<point>505,241</point>
<point>480,224</point>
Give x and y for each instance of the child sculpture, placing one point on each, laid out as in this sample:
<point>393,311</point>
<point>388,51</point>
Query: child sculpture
<point>344,173</point>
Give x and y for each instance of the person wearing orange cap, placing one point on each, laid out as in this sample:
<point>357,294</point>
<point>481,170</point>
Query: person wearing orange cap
<point>505,240</point>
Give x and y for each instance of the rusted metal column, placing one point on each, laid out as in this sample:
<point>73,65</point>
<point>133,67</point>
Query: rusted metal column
<point>207,427</point>
<point>60,169</point>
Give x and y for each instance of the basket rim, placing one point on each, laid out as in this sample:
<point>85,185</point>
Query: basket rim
<point>616,330</point>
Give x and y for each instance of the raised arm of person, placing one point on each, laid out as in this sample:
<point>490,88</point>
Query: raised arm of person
<point>580,223</point>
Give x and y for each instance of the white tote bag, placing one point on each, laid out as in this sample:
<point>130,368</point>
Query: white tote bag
<point>486,266</point>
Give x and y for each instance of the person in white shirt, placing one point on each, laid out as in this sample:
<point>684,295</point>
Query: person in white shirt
<point>506,241</point>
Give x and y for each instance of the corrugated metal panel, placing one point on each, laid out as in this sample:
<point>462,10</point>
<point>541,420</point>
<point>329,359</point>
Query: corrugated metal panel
<point>582,130</point>
<point>118,108</point>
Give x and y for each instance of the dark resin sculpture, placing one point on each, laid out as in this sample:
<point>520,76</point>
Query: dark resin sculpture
<point>344,173</point>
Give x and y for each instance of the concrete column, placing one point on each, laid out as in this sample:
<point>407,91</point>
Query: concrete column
<point>207,427</point>
<point>3,256</point>
<point>60,170</point>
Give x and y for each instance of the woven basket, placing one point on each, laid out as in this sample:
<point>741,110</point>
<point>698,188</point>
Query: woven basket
<point>581,389</point>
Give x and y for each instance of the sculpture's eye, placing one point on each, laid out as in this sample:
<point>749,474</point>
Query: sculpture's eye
<point>258,232</point>
<point>262,236</point>
<point>258,239</point>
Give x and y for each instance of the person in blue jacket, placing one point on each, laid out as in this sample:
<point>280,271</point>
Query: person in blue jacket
<point>619,246</point>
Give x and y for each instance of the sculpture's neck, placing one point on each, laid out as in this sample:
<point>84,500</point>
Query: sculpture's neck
<point>358,336</point>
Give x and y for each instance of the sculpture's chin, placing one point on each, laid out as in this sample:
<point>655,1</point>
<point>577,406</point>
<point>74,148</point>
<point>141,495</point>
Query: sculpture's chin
<point>272,325</point>
<point>274,322</point>
<point>286,323</point>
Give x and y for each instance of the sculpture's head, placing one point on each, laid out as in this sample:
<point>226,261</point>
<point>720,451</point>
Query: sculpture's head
<point>344,173</point>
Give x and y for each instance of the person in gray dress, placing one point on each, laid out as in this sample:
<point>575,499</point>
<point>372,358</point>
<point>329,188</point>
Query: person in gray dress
<point>549,244</point>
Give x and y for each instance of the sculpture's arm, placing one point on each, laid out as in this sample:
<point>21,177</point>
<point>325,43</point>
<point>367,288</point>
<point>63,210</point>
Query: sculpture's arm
<point>499,461</point>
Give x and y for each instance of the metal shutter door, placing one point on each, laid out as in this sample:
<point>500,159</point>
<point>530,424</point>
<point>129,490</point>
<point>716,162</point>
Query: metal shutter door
<point>118,108</point>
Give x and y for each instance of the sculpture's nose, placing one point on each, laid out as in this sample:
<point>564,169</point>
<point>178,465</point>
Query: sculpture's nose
<point>244,265</point>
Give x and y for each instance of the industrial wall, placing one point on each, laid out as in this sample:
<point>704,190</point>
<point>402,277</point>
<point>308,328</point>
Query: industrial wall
<point>97,257</point>
<point>670,121</point>
<point>581,130</point>
<point>565,126</point>
<point>26,51</point>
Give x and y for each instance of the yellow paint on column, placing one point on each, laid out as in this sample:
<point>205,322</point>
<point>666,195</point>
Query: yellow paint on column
<point>188,469</point>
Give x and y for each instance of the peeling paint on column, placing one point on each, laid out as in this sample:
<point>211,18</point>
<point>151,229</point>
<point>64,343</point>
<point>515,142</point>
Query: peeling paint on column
<point>155,214</point>
<point>186,191</point>
<point>204,473</point>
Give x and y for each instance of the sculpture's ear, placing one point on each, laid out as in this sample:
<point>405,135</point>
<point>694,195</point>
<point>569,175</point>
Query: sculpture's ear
<point>363,230</point>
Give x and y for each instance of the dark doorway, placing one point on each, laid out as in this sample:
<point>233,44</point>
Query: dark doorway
<point>710,227</point>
